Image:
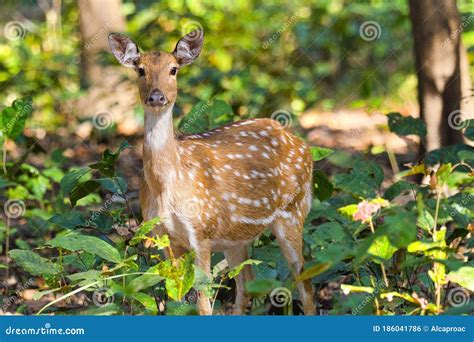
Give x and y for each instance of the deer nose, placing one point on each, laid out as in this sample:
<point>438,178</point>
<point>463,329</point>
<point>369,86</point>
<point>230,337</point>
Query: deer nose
<point>157,98</point>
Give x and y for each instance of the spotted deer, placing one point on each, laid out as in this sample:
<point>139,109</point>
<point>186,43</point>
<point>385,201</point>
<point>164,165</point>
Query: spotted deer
<point>219,190</point>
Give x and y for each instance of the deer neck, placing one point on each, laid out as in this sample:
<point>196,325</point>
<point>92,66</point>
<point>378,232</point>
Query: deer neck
<point>160,157</point>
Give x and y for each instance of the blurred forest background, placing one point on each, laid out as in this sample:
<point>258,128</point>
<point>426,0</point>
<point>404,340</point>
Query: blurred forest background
<point>330,71</point>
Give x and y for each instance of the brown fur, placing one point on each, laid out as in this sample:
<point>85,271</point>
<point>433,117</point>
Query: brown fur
<point>219,190</point>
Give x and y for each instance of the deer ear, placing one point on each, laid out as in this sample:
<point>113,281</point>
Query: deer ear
<point>189,47</point>
<point>124,49</point>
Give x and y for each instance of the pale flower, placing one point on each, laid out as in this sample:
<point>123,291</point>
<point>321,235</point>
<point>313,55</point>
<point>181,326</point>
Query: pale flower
<point>365,210</point>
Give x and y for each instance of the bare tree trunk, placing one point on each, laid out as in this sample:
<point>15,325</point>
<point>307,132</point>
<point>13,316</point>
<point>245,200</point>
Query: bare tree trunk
<point>444,84</point>
<point>97,20</point>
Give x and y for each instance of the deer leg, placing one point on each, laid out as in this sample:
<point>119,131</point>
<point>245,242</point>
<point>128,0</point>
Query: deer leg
<point>234,257</point>
<point>290,238</point>
<point>203,260</point>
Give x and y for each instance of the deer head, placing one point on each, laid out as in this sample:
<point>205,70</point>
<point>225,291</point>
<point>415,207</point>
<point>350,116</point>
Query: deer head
<point>157,71</point>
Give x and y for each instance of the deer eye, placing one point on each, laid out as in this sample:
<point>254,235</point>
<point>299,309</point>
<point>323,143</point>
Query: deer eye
<point>173,71</point>
<point>141,71</point>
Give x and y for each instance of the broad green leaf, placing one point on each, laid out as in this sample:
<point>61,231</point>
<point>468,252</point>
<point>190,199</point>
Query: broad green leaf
<point>147,301</point>
<point>14,117</point>
<point>107,164</point>
<point>144,230</point>
<point>363,180</point>
<point>425,220</point>
<point>150,278</point>
<point>414,170</point>
<point>400,228</point>
<point>91,244</point>
<point>406,125</point>
<point>313,271</point>
<point>320,153</point>
<point>178,274</point>
<point>451,154</point>
<point>382,248</point>
<point>349,210</point>
<point>70,180</point>
<point>464,276</point>
<point>72,220</point>
<point>443,173</point>
<point>235,271</point>
<point>89,276</point>
<point>323,185</point>
<point>397,188</point>
<point>423,246</point>
<point>116,185</point>
<point>33,263</point>
<point>328,233</point>
<point>101,220</point>
<point>261,287</point>
<point>82,190</point>
<point>469,132</point>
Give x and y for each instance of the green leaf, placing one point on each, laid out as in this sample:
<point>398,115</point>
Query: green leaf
<point>406,125</point>
<point>400,228</point>
<point>86,276</point>
<point>150,278</point>
<point>69,181</point>
<point>323,185</point>
<point>83,189</point>
<point>72,220</point>
<point>235,271</point>
<point>115,185</point>
<point>91,244</point>
<point>107,165</point>
<point>178,274</point>
<point>313,271</point>
<point>349,210</point>
<point>206,115</point>
<point>451,154</point>
<point>397,188</point>
<point>328,233</point>
<point>144,230</point>
<point>443,173</point>
<point>261,287</point>
<point>414,170</point>
<point>147,301</point>
<point>464,276</point>
<point>33,263</point>
<point>14,117</point>
<point>382,248</point>
<point>425,220</point>
<point>469,132</point>
<point>320,153</point>
<point>423,246</point>
<point>364,179</point>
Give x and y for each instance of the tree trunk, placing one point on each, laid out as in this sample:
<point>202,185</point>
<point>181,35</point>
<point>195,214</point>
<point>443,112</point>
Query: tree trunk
<point>444,84</point>
<point>97,20</point>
